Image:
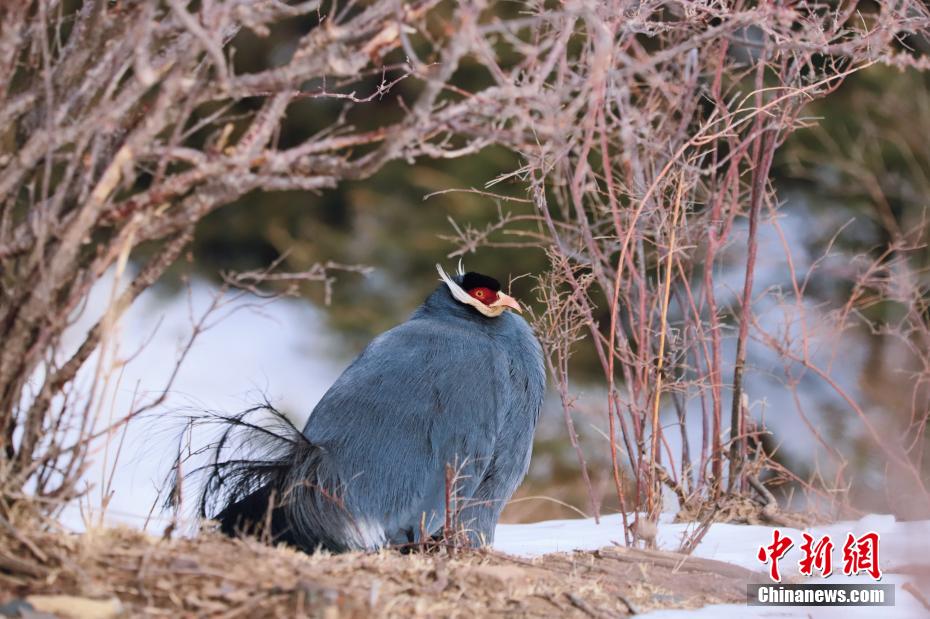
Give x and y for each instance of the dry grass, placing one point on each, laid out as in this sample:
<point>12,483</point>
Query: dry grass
<point>216,576</point>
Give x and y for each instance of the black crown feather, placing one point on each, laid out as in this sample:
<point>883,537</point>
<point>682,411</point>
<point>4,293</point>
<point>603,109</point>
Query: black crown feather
<point>473,280</point>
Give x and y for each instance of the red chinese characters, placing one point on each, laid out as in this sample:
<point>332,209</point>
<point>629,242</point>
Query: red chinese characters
<point>817,556</point>
<point>861,555</point>
<point>774,552</point>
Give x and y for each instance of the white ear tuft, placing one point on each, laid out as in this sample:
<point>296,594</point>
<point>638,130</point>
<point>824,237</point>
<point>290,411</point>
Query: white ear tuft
<point>456,290</point>
<point>461,267</point>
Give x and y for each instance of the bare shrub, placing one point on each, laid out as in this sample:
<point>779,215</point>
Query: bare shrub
<point>666,150</point>
<point>123,124</point>
<point>655,127</point>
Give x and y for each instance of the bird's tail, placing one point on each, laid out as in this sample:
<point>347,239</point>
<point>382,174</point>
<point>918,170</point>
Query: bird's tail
<point>254,474</point>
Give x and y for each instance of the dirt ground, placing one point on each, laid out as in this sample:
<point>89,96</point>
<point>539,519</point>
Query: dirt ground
<point>121,572</point>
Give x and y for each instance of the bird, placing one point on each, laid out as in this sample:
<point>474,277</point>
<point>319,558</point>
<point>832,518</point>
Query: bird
<point>431,424</point>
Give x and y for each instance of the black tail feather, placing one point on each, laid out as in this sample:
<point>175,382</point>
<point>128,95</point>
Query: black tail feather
<point>248,492</point>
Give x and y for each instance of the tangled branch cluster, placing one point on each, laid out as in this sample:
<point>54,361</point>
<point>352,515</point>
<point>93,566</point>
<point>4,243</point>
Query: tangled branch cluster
<point>122,124</point>
<point>654,160</point>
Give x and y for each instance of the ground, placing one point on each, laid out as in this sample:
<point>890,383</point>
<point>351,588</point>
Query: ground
<point>550,568</point>
<point>211,575</point>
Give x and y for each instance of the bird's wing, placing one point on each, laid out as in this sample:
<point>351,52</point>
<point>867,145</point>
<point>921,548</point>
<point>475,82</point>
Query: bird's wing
<point>421,397</point>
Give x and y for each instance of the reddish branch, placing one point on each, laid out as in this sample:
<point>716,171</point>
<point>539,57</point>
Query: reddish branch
<point>701,93</point>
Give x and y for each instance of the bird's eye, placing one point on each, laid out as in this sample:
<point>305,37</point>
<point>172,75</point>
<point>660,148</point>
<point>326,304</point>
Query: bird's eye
<point>479,294</point>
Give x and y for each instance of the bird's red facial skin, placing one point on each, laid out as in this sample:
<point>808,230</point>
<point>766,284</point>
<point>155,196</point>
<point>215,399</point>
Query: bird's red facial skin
<point>485,295</point>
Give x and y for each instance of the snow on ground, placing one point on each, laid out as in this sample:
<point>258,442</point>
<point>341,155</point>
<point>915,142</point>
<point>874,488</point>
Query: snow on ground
<point>901,544</point>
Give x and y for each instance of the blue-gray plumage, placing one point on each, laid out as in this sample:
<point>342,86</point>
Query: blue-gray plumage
<point>458,385</point>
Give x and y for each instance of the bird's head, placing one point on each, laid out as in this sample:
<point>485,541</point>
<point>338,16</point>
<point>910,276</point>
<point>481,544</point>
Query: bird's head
<point>479,291</point>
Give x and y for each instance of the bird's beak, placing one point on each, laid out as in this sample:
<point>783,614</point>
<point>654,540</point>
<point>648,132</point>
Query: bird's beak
<point>504,300</point>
